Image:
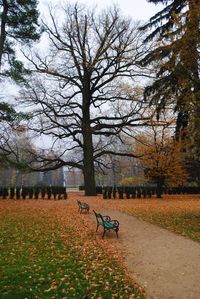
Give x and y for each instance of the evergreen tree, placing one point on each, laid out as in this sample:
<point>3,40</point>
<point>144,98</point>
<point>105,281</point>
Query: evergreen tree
<point>19,24</point>
<point>7,112</point>
<point>176,32</point>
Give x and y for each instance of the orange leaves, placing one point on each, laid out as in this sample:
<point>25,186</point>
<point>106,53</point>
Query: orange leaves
<point>180,214</point>
<point>163,159</point>
<point>57,253</point>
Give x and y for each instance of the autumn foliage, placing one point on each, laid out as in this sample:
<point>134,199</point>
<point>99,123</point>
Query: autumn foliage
<point>163,162</point>
<point>161,155</point>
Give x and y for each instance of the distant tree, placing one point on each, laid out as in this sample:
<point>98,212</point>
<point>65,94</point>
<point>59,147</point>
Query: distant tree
<point>175,29</point>
<point>9,120</point>
<point>137,180</point>
<point>161,157</point>
<point>91,55</point>
<point>15,156</point>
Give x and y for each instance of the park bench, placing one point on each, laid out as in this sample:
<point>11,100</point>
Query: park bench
<point>107,223</point>
<point>83,207</point>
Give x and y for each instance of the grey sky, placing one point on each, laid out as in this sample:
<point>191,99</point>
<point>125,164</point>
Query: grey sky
<point>137,9</point>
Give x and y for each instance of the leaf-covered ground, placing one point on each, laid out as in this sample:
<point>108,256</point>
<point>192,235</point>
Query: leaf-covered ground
<point>177,213</point>
<point>180,214</point>
<point>49,250</point>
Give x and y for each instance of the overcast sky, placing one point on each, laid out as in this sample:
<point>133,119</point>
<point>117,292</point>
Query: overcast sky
<point>137,9</point>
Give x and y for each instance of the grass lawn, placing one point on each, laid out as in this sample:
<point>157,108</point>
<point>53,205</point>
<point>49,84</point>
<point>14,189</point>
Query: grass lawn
<point>47,251</point>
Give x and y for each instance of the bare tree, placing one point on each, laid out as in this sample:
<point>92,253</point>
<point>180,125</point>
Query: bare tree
<point>91,54</point>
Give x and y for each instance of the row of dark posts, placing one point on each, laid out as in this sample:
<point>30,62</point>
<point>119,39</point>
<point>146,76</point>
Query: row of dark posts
<point>126,192</point>
<point>36,192</point>
<point>122,192</point>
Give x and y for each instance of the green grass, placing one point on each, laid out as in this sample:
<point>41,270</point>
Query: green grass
<point>42,257</point>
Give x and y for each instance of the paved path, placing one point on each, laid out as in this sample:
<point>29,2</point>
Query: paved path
<point>165,264</point>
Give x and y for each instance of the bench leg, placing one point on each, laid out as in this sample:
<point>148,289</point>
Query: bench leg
<point>103,233</point>
<point>117,233</point>
<point>97,227</point>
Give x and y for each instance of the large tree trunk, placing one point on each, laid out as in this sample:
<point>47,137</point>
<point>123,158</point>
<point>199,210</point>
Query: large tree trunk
<point>88,172</point>
<point>88,162</point>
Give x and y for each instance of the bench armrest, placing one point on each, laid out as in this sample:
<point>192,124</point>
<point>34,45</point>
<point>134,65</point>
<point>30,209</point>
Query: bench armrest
<point>106,218</point>
<point>115,223</point>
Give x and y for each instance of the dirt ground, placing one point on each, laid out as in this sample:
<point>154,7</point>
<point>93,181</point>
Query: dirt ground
<point>165,264</point>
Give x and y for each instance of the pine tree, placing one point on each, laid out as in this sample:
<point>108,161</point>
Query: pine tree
<point>175,29</point>
<point>19,24</point>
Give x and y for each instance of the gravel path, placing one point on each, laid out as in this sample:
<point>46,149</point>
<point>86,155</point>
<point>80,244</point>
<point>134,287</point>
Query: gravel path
<point>165,264</point>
